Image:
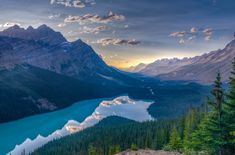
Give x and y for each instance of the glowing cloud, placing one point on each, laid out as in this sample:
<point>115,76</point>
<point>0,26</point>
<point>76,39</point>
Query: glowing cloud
<point>116,41</point>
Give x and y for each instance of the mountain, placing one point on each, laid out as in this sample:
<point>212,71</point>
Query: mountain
<point>44,48</point>
<point>43,33</point>
<point>206,66</point>
<point>137,68</point>
<point>201,69</point>
<point>163,66</point>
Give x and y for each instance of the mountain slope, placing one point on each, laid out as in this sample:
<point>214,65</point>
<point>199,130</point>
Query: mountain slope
<point>26,90</point>
<point>41,71</point>
<point>205,68</point>
<point>47,49</point>
<point>165,66</point>
<point>137,68</point>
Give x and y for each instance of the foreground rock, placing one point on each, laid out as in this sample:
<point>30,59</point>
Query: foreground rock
<point>147,152</point>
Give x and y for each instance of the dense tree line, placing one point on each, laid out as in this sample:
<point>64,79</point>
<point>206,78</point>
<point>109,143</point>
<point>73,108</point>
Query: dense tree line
<point>111,136</point>
<point>207,130</point>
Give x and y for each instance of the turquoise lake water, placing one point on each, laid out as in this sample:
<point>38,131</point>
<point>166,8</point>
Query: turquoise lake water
<point>16,132</point>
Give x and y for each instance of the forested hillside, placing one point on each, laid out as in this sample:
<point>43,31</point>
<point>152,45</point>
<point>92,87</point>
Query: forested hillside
<point>27,90</point>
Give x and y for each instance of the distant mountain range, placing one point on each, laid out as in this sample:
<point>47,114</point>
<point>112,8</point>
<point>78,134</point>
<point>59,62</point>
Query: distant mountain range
<point>201,69</point>
<point>137,68</point>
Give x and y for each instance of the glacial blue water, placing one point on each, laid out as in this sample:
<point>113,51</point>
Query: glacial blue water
<point>16,132</point>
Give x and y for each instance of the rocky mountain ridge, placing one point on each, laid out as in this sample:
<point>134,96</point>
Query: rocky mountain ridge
<point>44,48</point>
<point>201,69</point>
<point>205,68</point>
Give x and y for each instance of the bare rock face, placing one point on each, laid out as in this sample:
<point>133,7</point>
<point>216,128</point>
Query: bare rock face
<point>148,152</point>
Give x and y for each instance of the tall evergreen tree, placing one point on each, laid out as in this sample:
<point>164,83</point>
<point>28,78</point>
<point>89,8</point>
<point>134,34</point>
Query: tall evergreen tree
<point>230,112</point>
<point>191,121</point>
<point>175,140</point>
<point>91,150</point>
<point>210,136</point>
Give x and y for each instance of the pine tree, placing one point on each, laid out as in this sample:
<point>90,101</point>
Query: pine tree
<point>210,136</point>
<point>134,147</point>
<point>175,140</point>
<point>230,113</point>
<point>117,149</point>
<point>190,123</point>
<point>91,150</point>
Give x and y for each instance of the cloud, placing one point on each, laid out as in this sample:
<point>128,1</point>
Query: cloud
<point>73,3</point>
<point>190,35</point>
<point>78,4</point>
<point>193,30</point>
<point>182,41</point>
<point>207,38</point>
<point>89,18</point>
<point>95,30</point>
<point>178,34</point>
<point>126,26</point>
<point>91,2</point>
<point>53,16</point>
<point>116,41</point>
<point>191,38</point>
<point>52,1</point>
<point>61,25</point>
<point>208,31</point>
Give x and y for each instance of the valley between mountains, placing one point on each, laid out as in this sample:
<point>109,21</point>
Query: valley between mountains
<point>40,71</point>
<point>42,76</point>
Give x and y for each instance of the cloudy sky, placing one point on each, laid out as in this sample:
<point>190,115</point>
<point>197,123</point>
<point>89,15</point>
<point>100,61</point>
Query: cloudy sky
<point>128,32</point>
